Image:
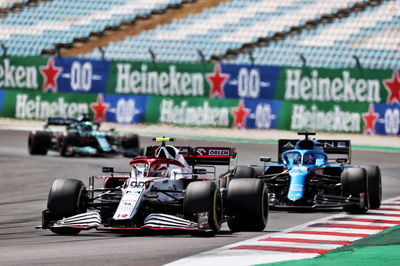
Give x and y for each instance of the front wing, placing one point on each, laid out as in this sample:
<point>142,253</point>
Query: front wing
<point>155,221</point>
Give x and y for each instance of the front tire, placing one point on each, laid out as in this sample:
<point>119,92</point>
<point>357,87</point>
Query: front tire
<point>374,180</point>
<point>204,196</point>
<point>247,204</point>
<point>354,182</point>
<point>67,197</point>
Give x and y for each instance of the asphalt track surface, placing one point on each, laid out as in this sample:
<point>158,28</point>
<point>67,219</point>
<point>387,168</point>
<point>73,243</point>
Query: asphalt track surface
<point>25,181</point>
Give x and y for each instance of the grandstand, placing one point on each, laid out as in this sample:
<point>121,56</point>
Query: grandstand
<point>317,33</point>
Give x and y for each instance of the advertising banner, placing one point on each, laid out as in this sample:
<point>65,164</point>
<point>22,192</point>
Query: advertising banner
<point>162,79</point>
<point>125,109</point>
<point>99,107</point>
<point>247,81</point>
<point>22,73</point>
<point>383,119</point>
<point>339,85</point>
<point>33,105</point>
<point>329,116</point>
<point>81,75</point>
<point>262,114</point>
<point>190,111</point>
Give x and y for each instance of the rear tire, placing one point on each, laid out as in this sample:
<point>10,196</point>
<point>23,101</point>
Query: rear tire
<point>374,185</point>
<point>204,196</point>
<point>247,204</point>
<point>67,197</point>
<point>39,142</point>
<point>243,171</point>
<point>354,182</point>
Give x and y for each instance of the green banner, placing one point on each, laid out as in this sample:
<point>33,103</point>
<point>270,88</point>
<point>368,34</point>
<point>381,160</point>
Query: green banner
<point>191,111</point>
<point>336,85</point>
<point>163,79</point>
<point>329,116</point>
<point>32,105</point>
<point>22,72</point>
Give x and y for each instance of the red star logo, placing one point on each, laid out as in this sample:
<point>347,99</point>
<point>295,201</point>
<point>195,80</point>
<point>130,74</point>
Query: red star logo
<point>217,82</point>
<point>99,108</point>
<point>240,113</point>
<point>393,86</point>
<point>50,74</point>
<point>369,120</point>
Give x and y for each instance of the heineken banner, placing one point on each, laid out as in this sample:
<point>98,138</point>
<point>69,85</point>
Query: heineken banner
<point>39,106</point>
<point>163,79</point>
<point>345,117</point>
<point>229,113</point>
<point>33,105</point>
<point>339,85</point>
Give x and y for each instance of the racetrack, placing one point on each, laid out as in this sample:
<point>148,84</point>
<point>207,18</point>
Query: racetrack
<point>24,185</point>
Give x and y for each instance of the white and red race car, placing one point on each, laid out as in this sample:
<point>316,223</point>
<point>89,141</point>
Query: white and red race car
<point>164,191</point>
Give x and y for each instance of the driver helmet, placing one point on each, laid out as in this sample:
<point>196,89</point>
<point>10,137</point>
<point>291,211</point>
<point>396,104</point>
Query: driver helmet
<point>309,158</point>
<point>87,126</point>
<point>297,158</point>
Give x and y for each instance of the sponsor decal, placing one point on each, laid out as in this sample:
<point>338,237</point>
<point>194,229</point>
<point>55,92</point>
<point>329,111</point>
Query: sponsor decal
<point>201,151</point>
<point>50,74</point>
<point>393,87</point>
<point>203,115</point>
<point>165,83</point>
<point>217,81</point>
<point>332,120</point>
<point>219,152</point>
<point>342,88</point>
<point>17,76</point>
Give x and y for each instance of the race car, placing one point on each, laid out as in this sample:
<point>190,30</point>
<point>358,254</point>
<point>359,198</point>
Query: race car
<point>306,178</point>
<point>81,137</point>
<point>165,190</point>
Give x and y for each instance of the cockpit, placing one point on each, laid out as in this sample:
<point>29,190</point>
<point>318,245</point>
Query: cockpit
<point>157,168</point>
<point>304,158</point>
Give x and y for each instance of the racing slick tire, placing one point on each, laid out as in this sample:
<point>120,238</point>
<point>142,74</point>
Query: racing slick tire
<point>39,142</point>
<point>354,182</point>
<point>131,145</point>
<point>65,143</point>
<point>67,197</point>
<point>247,204</point>
<point>374,180</point>
<point>243,171</point>
<point>200,197</point>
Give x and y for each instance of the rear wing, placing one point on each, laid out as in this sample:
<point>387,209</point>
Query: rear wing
<point>60,121</point>
<point>330,147</point>
<point>201,155</point>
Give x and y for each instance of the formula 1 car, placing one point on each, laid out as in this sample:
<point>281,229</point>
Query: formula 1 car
<point>166,190</point>
<point>304,178</point>
<point>81,137</point>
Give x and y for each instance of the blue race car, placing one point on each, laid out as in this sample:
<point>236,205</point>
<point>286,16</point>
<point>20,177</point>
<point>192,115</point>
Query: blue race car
<point>81,137</point>
<point>306,178</point>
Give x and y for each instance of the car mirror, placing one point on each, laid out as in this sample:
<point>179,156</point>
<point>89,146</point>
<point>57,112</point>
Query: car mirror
<point>265,159</point>
<point>341,160</point>
<point>108,169</point>
<point>200,171</point>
